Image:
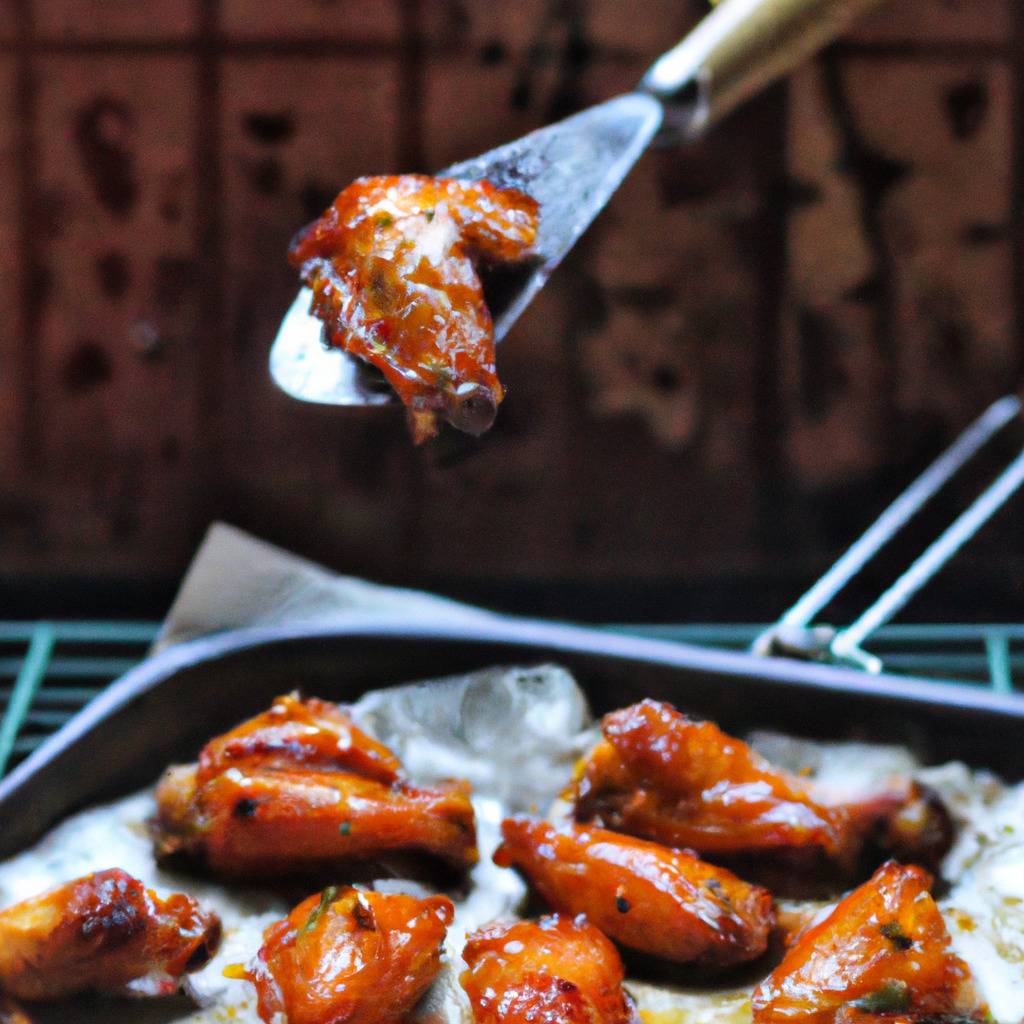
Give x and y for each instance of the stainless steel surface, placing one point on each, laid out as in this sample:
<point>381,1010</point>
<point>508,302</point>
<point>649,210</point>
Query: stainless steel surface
<point>572,168</point>
<point>794,634</point>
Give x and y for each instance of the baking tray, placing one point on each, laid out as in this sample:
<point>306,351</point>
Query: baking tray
<point>167,707</point>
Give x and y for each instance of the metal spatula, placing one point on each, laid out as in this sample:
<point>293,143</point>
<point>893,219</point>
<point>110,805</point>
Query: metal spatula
<point>572,168</point>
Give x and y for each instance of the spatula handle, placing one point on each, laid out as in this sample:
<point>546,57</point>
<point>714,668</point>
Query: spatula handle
<point>738,49</point>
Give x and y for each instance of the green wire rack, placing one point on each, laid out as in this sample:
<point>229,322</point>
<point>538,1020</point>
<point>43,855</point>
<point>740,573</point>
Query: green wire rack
<point>50,670</point>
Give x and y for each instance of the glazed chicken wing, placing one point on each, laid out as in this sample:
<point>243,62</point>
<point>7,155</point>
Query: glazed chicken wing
<point>103,933</point>
<point>685,783</point>
<point>557,970</point>
<point>345,956</point>
<point>310,734</point>
<point>392,266</point>
<point>301,789</point>
<point>267,823</point>
<point>663,902</point>
<point>884,950</point>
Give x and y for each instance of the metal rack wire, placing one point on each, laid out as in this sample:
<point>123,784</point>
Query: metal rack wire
<point>50,670</point>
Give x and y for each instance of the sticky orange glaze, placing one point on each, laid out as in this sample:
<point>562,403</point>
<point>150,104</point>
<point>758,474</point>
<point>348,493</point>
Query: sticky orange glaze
<point>105,932</point>
<point>263,823</point>
<point>884,949</point>
<point>666,777</point>
<point>557,970</point>
<point>392,264</point>
<point>345,956</point>
<point>667,903</point>
<point>663,776</point>
<point>267,799</point>
<point>296,733</point>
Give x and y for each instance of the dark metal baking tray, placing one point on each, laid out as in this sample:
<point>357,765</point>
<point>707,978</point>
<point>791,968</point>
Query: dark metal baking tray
<point>167,707</point>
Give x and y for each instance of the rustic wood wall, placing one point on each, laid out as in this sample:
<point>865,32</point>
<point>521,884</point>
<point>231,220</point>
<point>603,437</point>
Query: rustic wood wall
<point>754,347</point>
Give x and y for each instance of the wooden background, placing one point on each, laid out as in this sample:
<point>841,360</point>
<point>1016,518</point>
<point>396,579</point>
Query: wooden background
<point>755,347</point>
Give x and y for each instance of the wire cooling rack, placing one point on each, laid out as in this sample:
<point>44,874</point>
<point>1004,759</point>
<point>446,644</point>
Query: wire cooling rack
<point>50,670</point>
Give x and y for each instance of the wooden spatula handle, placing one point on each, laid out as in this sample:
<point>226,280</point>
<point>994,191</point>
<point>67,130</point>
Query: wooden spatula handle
<point>738,49</point>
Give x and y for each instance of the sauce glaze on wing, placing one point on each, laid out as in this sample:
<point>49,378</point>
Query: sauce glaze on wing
<point>557,970</point>
<point>883,950</point>
<point>392,266</point>
<point>667,903</point>
<point>666,777</point>
<point>311,733</point>
<point>345,956</point>
<point>105,932</point>
<point>299,788</point>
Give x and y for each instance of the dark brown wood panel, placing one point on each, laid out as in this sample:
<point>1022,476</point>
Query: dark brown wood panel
<point>757,344</point>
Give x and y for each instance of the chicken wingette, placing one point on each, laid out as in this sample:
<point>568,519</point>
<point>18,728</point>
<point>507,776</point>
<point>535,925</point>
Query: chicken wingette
<point>665,777</point>
<point>346,956</point>
<point>300,789</point>
<point>557,970</point>
<point>883,952</point>
<point>392,264</point>
<point>647,897</point>
<point>105,933</point>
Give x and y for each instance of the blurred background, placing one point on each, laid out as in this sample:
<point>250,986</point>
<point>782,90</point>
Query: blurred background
<point>757,345</point>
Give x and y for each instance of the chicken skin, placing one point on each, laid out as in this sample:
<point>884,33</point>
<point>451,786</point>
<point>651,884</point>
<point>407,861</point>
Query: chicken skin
<point>666,903</point>
<point>392,264</point>
<point>106,933</point>
<point>311,733</point>
<point>557,970</point>
<point>883,952</point>
<point>345,956</point>
<point>300,789</point>
<point>663,776</point>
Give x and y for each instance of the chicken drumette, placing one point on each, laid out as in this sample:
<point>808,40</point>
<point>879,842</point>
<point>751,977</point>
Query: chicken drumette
<point>345,956</point>
<point>300,788</point>
<point>663,902</point>
<point>558,969</point>
<point>663,776</point>
<point>106,933</point>
<point>881,956</point>
<point>392,265</point>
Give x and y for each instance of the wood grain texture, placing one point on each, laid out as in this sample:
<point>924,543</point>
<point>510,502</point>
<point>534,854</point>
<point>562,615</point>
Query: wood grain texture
<point>756,344</point>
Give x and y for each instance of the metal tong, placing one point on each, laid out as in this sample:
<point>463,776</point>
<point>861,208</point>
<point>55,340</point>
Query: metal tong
<point>796,635</point>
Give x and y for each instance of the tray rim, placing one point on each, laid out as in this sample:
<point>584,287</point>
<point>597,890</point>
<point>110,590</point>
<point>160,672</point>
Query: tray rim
<point>732,666</point>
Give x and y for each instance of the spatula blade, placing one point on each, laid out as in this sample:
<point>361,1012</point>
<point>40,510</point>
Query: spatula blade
<point>571,168</point>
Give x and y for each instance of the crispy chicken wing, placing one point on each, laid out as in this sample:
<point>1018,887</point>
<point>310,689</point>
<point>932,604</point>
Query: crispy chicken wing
<point>557,970</point>
<point>663,776</point>
<point>266,823</point>
<point>105,933</point>
<point>392,265</point>
<point>884,950</point>
<point>300,788</point>
<point>311,734</point>
<point>663,902</point>
<point>345,956</point>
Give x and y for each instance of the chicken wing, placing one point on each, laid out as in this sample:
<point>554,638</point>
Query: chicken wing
<point>392,265</point>
<point>300,788</point>
<point>557,970</point>
<point>262,824</point>
<point>663,902</point>
<point>311,734</point>
<point>105,933</point>
<point>345,956</point>
<point>663,776</point>
<point>884,950</point>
